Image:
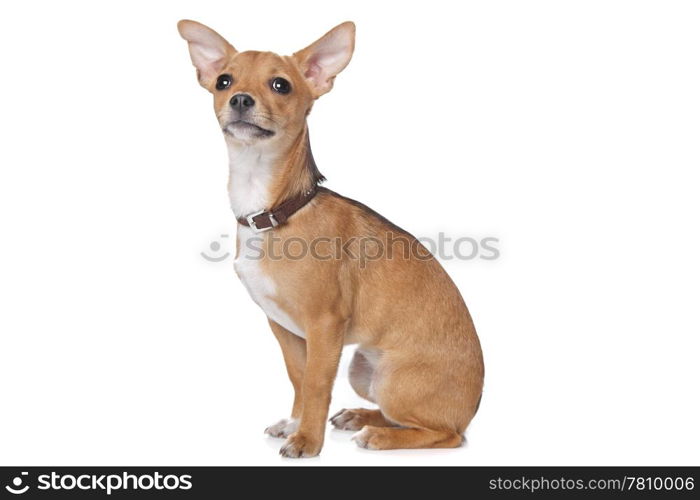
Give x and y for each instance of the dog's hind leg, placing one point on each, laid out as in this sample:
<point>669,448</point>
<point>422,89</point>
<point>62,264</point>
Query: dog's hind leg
<point>388,438</point>
<point>362,372</point>
<point>431,406</point>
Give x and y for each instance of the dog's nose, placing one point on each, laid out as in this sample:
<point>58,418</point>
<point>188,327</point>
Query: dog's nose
<point>242,101</point>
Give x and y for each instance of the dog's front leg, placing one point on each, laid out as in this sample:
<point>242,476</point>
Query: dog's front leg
<point>294,352</point>
<point>324,344</point>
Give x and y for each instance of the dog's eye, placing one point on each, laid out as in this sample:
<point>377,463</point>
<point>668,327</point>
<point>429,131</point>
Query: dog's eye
<point>223,82</point>
<point>280,85</point>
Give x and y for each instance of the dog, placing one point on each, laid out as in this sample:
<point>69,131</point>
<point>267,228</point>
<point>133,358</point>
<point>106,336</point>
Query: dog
<point>362,280</point>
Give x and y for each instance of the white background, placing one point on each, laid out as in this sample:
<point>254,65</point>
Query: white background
<point>569,130</point>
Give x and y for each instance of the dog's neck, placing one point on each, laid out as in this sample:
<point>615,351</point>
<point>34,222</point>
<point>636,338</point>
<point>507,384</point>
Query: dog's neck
<point>261,179</point>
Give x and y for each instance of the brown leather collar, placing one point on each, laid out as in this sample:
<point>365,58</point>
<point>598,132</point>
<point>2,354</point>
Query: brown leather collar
<point>265,220</point>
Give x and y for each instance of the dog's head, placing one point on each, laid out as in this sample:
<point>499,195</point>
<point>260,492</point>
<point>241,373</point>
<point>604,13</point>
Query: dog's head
<point>262,96</point>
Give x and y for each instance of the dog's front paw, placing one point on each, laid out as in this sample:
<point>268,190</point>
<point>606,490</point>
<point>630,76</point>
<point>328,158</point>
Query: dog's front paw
<point>300,445</point>
<point>284,428</point>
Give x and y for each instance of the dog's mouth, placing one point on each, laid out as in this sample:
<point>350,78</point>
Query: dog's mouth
<point>241,129</point>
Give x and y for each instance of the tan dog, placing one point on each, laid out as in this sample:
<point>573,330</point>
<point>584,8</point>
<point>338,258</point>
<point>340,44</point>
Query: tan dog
<point>331,271</point>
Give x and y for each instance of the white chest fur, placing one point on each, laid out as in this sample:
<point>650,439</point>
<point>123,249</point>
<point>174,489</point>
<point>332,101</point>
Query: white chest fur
<point>250,173</point>
<point>260,286</point>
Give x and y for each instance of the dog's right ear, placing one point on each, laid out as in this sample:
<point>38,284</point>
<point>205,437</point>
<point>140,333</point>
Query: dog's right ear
<point>209,51</point>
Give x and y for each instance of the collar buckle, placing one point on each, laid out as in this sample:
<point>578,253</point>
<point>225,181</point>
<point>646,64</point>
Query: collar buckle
<point>254,226</point>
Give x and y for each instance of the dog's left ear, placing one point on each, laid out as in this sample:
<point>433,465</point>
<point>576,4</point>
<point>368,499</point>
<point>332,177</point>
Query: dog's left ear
<point>209,51</point>
<point>321,61</point>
